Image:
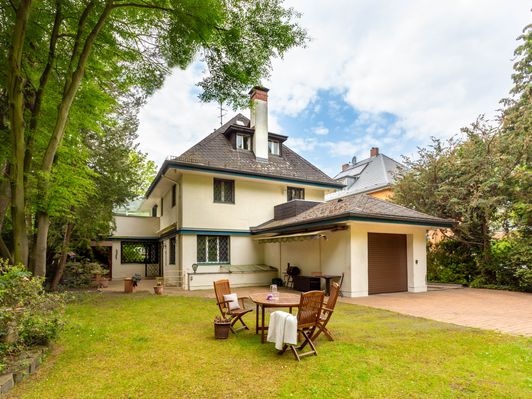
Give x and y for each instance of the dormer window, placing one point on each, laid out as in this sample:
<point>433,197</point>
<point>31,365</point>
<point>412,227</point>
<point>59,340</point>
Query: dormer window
<point>243,142</point>
<point>274,147</point>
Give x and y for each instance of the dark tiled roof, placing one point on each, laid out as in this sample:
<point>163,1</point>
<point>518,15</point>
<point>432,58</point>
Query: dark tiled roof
<point>216,152</point>
<point>355,206</point>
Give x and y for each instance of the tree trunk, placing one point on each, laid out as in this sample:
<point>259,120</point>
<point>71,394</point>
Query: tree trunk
<point>64,253</point>
<point>5,199</point>
<point>15,97</point>
<point>41,243</point>
<point>71,88</point>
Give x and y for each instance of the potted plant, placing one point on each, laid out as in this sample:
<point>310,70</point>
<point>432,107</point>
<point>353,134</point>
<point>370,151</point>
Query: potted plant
<point>159,287</point>
<point>222,325</point>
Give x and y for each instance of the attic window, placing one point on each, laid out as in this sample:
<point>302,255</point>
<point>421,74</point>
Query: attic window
<point>274,147</point>
<point>240,122</point>
<point>243,142</point>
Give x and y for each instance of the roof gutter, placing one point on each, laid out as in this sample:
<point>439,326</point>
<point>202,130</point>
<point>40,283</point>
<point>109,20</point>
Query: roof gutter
<point>352,216</point>
<point>231,172</point>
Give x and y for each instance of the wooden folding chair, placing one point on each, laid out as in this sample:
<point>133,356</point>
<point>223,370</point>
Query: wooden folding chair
<point>221,288</point>
<point>326,313</point>
<point>341,282</point>
<point>308,314</point>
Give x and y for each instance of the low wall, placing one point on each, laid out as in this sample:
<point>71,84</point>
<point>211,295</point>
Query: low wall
<point>202,281</point>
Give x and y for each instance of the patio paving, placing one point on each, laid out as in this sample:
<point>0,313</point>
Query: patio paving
<point>505,311</point>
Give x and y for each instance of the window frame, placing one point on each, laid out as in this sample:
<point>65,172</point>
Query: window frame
<point>223,182</point>
<point>174,190</point>
<point>162,206</point>
<point>151,252</point>
<point>245,139</point>
<point>290,189</point>
<point>171,250</point>
<point>277,146</point>
<point>206,260</point>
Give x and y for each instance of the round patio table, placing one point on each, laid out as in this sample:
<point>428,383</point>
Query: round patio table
<point>285,300</point>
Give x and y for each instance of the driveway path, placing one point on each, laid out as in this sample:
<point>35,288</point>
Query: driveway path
<point>509,312</point>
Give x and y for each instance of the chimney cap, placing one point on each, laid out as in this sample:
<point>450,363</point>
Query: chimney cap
<point>259,88</point>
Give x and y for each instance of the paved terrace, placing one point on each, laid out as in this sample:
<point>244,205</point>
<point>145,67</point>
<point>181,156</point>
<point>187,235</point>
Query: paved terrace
<point>504,311</point>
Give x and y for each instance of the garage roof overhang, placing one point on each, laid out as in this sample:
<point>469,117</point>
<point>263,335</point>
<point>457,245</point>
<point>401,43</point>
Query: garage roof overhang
<point>332,221</point>
<point>314,235</point>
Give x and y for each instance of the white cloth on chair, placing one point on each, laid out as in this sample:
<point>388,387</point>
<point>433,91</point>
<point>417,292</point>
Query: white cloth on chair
<point>282,329</point>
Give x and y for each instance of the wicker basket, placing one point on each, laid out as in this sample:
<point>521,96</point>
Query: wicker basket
<point>221,330</point>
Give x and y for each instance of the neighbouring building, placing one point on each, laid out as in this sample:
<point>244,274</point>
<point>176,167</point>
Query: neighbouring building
<point>373,176</point>
<point>241,205</point>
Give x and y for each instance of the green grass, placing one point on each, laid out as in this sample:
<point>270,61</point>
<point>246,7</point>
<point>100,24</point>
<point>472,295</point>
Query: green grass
<point>144,346</point>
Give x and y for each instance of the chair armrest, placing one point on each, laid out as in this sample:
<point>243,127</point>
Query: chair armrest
<point>241,299</point>
<point>219,303</point>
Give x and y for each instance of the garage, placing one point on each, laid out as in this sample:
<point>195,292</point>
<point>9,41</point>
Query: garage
<point>387,263</point>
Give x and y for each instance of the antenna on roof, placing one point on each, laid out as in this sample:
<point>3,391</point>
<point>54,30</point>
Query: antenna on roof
<point>222,113</point>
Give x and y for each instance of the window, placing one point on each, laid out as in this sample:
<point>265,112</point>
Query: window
<point>139,252</point>
<point>274,147</point>
<point>162,206</point>
<point>154,211</point>
<point>173,195</point>
<point>224,191</point>
<point>213,249</point>
<point>171,258</point>
<point>295,193</point>
<point>243,142</point>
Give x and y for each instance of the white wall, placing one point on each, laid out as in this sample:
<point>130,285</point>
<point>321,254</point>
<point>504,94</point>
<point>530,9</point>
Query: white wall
<point>136,226</point>
<point>416,254</point>
<point>123,270</point>
<point>254,202</point>
<point>170,212</point>
<point>346,251</point>
<point>201,281</point>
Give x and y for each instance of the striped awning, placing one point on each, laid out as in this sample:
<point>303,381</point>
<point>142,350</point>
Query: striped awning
<point>314,235</point>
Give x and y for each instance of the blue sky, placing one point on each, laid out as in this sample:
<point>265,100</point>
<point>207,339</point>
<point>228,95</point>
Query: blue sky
<point>330,132</point>
<point>379,73</point>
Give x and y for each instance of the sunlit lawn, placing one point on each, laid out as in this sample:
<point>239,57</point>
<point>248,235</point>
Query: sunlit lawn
<point>143,346</point>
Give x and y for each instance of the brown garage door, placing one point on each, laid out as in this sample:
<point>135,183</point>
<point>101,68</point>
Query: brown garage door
<point>386,263</point>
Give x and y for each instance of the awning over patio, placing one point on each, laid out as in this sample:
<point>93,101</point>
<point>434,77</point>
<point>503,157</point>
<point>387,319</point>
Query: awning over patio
<point>314,235</point>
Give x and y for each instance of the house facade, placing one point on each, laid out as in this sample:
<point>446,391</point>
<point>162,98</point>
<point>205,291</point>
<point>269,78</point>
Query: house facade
<point>373,176</point>
<point>241,205</point>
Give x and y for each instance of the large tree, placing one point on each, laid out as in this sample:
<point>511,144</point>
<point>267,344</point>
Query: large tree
<point>481,178</point>
<point>64,52</point>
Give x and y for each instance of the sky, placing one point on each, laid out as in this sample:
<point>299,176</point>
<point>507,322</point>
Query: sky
<point>375,73</point>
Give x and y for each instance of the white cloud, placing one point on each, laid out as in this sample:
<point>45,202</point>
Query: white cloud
<point>320,130</point>
<point>436,65</point>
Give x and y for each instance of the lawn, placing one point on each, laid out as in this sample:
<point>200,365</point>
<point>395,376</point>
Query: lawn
<point>144,346</point>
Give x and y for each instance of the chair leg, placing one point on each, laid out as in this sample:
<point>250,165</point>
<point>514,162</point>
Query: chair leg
<point>235,330</point>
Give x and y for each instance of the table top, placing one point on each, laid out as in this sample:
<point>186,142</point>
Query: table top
<point>328,276</point>
<point>285,299</point>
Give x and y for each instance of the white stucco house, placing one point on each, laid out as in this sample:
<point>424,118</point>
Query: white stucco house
<point>242,205</point>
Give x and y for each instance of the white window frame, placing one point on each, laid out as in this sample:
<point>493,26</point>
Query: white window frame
<point>243,142</point>
<point>274,147</point>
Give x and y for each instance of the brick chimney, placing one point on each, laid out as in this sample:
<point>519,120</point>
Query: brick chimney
<point>374,151</point>
<point>345,166</point>
<point>259,121</point>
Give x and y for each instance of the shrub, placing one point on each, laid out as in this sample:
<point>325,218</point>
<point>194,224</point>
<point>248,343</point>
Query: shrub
<point>450,262</point>
<point>81,274</point>
<point>510,267</point>
<point>28,315</point>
